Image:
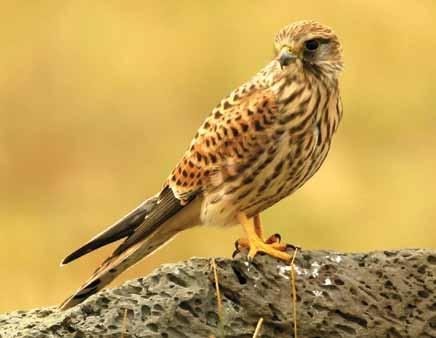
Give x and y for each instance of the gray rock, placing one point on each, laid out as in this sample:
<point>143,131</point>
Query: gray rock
<point>378,294</point>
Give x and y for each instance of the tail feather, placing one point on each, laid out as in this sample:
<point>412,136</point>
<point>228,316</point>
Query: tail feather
<point>123,228</point>
<point>147,228</point>
<point>112,267</point>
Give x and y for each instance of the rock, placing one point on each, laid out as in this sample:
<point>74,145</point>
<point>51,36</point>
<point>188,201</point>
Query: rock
<point>377,294</point>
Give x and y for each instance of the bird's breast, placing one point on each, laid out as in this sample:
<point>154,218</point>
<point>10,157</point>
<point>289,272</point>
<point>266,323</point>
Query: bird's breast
<point>300,141</point>
<point>279,171</point>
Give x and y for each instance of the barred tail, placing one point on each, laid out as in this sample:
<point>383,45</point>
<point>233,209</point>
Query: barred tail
<point>147,228</point>
<point>114,266</point>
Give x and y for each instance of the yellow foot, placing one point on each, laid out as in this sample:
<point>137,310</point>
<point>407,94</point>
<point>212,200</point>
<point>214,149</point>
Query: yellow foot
<point>255,243</point>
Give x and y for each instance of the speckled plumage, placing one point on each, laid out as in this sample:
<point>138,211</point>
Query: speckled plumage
<point>259,145</point>
<point>265,139</point>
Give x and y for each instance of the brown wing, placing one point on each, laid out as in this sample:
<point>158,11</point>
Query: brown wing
<point>235,133</point>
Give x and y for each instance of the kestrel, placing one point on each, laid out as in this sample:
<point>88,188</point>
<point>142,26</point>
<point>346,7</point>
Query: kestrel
<point>259,145</point>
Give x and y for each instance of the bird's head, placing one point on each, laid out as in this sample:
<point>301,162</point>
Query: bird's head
<point>310,45</point>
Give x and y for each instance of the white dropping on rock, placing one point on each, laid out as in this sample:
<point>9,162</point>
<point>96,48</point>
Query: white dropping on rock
<point>317,293</point>
<point>285,270</point>
<point>314,270</point>
<point>301,271</point>
<point>327,281</point>
<point>335,258</point>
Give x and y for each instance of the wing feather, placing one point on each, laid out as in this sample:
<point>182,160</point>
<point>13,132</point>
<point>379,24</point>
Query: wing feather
<point>235,133</point>
<point>123,228</point>
<point>136,225</point>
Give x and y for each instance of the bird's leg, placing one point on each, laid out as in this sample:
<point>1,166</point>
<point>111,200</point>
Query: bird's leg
<point>254,241</point>
<point>258,228</point>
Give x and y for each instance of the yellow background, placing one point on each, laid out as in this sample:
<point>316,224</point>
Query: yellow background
<point>99,99</point>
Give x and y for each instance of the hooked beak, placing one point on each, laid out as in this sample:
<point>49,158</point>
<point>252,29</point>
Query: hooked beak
<point>286,57</point>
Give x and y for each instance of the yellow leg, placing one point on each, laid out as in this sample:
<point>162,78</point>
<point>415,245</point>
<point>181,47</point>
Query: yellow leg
<point>256,243</point>
<point>258,228</point>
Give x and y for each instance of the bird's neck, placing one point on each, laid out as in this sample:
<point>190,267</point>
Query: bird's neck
<point>305,100</point>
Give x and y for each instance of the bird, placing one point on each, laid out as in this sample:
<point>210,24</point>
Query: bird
<point>258,145</point>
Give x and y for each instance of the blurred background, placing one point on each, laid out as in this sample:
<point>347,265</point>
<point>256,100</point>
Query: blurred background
<point>99,100</point>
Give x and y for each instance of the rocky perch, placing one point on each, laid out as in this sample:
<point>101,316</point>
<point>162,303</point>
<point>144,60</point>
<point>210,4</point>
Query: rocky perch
<point>376,294</point>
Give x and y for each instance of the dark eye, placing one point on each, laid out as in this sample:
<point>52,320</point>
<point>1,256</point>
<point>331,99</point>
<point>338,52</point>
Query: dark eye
<point>311,45</point>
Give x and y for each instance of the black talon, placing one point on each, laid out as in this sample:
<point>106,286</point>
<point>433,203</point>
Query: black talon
<point>279,238</point>
<point>292,246</point>
<point>235,253</point>
<point>237,245</point>
<point>276,238</point>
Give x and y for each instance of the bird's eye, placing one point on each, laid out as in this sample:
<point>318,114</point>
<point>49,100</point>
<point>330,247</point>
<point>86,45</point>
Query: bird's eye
<point>311,45</point>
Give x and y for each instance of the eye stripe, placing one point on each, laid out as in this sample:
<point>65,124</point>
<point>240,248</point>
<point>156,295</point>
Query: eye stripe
<point>323,40</point>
